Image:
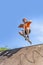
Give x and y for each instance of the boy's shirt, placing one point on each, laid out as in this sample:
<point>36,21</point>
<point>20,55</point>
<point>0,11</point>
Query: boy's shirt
<point>25,25</point>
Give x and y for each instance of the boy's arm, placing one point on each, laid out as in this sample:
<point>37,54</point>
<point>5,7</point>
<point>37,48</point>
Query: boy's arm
<point>21,26</point>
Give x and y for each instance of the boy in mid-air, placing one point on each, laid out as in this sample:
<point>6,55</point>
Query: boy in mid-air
<point>26,27</point>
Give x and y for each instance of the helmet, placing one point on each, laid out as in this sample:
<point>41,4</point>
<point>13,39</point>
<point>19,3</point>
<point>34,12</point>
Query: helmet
<point>24,20</point>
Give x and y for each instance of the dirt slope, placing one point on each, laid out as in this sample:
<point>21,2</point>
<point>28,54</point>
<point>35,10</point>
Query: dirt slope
<point>32,55</point>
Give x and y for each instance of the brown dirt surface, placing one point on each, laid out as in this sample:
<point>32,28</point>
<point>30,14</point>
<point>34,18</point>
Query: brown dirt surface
<point>31,55</point>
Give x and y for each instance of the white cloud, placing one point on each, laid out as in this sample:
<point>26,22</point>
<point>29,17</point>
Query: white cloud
<point>37,29</point>
<point>40,39</point>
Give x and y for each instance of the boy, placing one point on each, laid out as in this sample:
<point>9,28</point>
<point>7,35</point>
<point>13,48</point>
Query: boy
<point>26,27</point>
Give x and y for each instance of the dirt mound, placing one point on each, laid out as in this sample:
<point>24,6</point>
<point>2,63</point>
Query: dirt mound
<point>32,55</point>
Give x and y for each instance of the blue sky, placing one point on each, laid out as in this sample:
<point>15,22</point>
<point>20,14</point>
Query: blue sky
<point>11,14</point>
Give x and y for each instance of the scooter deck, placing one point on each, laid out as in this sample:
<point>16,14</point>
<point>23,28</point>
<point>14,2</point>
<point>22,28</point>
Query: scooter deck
<point>26,38</point>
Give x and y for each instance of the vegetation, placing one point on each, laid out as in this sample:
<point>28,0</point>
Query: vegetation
<point>3,49</point>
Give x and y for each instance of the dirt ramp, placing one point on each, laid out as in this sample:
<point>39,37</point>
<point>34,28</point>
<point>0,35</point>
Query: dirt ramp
<point>32,55</point>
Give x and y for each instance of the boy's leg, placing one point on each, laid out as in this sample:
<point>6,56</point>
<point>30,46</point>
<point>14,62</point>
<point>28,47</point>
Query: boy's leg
<point>22,33</point>
<point>27,32</point>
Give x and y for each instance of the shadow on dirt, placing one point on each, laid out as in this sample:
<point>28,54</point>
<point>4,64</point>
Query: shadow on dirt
<point>10,52</point>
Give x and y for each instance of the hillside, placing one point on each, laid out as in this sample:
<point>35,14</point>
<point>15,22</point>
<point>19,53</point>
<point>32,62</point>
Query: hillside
<point>32,55</point>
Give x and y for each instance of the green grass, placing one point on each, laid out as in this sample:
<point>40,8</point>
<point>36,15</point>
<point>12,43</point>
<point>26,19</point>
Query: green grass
<point>3,49</point>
